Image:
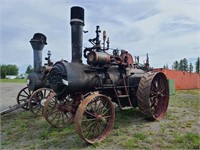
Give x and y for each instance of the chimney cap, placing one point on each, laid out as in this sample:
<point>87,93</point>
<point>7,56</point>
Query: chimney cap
<point>77,14</point>
<point>40,38</point>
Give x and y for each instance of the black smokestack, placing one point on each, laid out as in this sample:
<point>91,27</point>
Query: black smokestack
<point>38,42</point>
<point>77,23</point>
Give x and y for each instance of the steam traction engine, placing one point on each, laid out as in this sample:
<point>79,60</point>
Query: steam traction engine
<point>33,96</point>
<point>85,93</point>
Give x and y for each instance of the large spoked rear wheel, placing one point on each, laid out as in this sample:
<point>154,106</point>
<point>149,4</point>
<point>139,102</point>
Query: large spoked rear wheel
<point>58,113</point>
<point>153,95</point>
<point>94,118</point>
<point>37,99</point>
<point>23,97</point>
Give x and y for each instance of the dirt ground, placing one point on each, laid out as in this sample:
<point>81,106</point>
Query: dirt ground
<point>8,94</point>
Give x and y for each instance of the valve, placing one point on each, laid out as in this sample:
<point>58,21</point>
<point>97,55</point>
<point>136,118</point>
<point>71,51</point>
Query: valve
<point>48,59</point>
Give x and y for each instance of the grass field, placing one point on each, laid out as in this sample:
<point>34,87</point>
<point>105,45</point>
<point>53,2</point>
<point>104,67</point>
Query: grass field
<point>13,80</point>
<point>180,129</point>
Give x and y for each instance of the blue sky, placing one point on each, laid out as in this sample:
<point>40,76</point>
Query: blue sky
<point>168,30</point>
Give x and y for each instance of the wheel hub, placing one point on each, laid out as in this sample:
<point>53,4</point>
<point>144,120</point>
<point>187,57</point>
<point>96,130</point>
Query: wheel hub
<point>43,101</point>
<point>159,94</point>
<point>98,117</point>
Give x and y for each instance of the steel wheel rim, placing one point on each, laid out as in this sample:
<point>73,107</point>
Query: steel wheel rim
<point>23,97</point>
<point>95,118</point>
<point>159,96</point>
<point>37,99</point>
<point>55,113</point>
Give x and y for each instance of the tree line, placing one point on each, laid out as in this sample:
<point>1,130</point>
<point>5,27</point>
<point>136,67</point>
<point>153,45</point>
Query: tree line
<point>183,65</point>
<point>8,70</point>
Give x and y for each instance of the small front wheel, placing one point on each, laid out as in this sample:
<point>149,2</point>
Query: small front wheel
<point>94,118</point>
<point>23,97</point>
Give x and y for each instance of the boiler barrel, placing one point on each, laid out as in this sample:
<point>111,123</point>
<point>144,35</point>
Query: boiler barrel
<point>66,78</point>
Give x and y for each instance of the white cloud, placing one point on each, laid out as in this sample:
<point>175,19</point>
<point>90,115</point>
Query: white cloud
<point>167,30</point>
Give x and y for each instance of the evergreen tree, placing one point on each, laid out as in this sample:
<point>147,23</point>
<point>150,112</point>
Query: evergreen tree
<point>185,65</point>
<point>180,65</point>
<point>175,65</point>
<point>198,65</point>
<point>166,66</point>
<point>190,67</point>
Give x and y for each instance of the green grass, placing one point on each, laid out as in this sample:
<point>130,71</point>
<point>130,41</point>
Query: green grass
<point>191,140</point>
<point>13,80</point>
<point>195,91</point>
<point>178,130</point>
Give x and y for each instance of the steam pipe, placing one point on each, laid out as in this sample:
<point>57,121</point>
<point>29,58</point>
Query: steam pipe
<point>77,23</point>
<point>38,42</point>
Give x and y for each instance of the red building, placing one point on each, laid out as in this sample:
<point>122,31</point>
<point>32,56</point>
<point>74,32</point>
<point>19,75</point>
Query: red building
<point>182,80</point>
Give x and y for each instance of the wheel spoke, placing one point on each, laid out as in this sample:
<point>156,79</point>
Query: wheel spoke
<point>23,100</point>
<point>63,118</point>
<point>88,131</point>
<point>54,111</point>
<point>38,110</point>
<point>44,94</point>
<point>54,116</point>
<point>26,93</point>
<point>89,124</point>
<point>89,113</point>
<point>163,90</point>
<point>103,113</point>
<point>23,95</point>
<point>85,120</point>
<point>107,116</point>
<point>58,118</point>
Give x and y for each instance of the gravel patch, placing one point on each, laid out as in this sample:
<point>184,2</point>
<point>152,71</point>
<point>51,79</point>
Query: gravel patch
<point>8,94</point>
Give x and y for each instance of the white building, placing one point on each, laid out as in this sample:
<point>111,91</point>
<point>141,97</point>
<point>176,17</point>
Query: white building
<point>11,77</point>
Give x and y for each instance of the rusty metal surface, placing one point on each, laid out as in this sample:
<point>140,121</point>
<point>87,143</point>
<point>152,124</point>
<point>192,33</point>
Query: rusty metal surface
<point>58,113</point>
<point>153,95</point>
<point>95,118</point>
